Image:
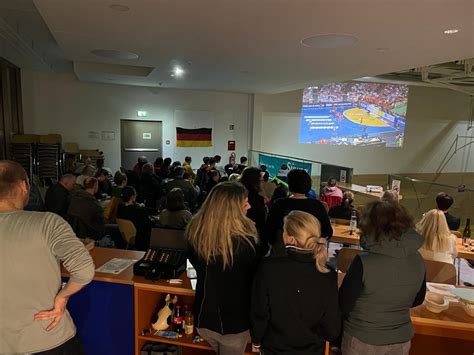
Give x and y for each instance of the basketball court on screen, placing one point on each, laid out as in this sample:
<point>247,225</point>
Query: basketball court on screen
<point>360,116</point>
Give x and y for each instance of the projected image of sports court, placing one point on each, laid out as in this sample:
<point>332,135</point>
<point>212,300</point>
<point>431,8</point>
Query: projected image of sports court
<point>343,124</point>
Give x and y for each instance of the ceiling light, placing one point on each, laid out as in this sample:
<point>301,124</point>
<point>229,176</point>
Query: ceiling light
<point>178,71</point>
<point>113,54</point>
<point>118,7</point>
<point>450,31</point>
<point>332,40</point>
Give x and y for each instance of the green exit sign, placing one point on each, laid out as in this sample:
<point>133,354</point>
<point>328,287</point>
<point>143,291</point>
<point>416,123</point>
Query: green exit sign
<point>142,113</point>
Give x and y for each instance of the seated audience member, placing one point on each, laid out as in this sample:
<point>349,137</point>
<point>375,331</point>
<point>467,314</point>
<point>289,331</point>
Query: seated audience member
<point>234,177</point>
<point>202,174</point>
<point>239,168</point>
<point>58,196</point>
<point>188,168</point>
<point>251,178</point>
<point>100,166</point>
<point>150,190</point>
<point>137,214</point>
<point>175,215</point>
<point>158,164</point>
<point>87,172</point>
<point>110,211</point>
<point>213,180</point>
<point>85,212</point>
<point>165,169</point>
<point>383,283</point>
<point>105,185</point>
<point>283,173</point>
<point>444,202</point>
<point>268,187</point>
<point>190,193</point>
<point>390,196</point>
<point>439,244</point>
<point>332,194</point>
<point>344,210</point>
<point>223,243</point>
<point>299,183</point>
<point>280,328</point>
<point>219,167</point>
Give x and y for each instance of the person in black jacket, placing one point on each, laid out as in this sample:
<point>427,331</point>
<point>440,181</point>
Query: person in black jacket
<point>223,250</point>
<point>58,196</point>
<point>299,184</point>
<point>252,179</point>
<point>138,215</point>
<point>294,299</point>
<point>150,188</point>
<point>345,209</point>
<point>444,202</point>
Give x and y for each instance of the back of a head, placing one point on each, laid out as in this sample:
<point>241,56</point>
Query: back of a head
<point>159,161</point>
<point>385,220</point>
<point>234,177</point>
<point>347,199</point>
<point>280,192</point>
<point>444,201</point>
<point>11,175</point>
<point>91,183</point>
<point>148,169</point>
<point>251,178</point>
<point>332,182</point>
<point>175,200</point>
<point>178,172</point>
<point>306,229</point>
<point>205,160</point>
<point>167,161</point>
<point>217,158</point>
<point>220,219</point>
<point>127,194</point>
<point>390,196</point>
<point>435,231</point>
<point>188,159</point>
<point>212,161</point>
<point>119,178</point>
<point>142,160</point>
<point>299,181</point>
<point>243,160</point>
<point>68,181</point>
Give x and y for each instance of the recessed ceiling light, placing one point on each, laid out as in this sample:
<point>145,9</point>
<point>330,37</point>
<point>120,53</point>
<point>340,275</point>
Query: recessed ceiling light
<point>118,7</point>
<point>331,40</point>
<point>450,31</point>
<point>178,71</point>
<point>113,54</point>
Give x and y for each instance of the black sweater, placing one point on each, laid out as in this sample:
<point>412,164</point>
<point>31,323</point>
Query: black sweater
<point>294,306</point>
<point>283,206</point>
<point>222,300</point>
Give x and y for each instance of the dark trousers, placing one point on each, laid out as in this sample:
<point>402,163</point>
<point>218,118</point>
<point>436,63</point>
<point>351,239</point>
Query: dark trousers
<point>71,347</point>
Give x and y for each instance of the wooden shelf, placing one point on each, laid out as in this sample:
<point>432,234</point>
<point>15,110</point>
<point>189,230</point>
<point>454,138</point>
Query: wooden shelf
<point>185,340</point>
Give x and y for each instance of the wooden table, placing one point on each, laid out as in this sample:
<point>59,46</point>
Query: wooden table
<point>358,189</point>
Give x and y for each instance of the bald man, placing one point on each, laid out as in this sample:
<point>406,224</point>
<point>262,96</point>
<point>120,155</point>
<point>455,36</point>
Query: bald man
<point>58,196</point>
<point>33,315</point>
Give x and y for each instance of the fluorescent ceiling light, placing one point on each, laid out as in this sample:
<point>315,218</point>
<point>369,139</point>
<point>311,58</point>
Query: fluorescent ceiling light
<point>450,31</point>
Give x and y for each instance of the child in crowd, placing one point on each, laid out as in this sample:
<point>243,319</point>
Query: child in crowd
<point>294,300</point>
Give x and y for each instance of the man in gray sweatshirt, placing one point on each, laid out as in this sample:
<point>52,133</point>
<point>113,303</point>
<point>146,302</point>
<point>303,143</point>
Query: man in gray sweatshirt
<point>33,314</point>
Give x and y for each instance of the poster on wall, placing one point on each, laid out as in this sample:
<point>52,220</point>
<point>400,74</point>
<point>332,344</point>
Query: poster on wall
<point>274,164</point>
<point>195,137</point>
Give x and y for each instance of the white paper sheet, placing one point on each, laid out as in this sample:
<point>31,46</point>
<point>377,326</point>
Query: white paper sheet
<point>115,266</point>
<point>442,289</point>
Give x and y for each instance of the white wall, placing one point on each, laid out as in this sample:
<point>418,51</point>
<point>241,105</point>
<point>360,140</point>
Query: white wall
<point>434,117</point>
<point>59,103</point>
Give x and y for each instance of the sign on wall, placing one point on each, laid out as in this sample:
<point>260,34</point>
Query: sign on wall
<point>274,164</point>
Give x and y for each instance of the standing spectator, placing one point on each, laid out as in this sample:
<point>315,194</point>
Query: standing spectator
<point>165,169</point>
<point>212,181</point>
<point>219,167</point>
<point>110,211</point>
<point>223,251</point>
<point>188,168</point>
<point>283,173</point>
<point>439,243</point>
<point>383,283</point>
<point>176,215</point>
<point>301,278</point>
<point>158,164</point>
<point>34,318</point>
<point>252,180</point>
<point>136,174</point>
<point>150,190</point>
<point>299,183</point>
<point>444,202</point>
<point>58,196</point>
<point>268,187</point>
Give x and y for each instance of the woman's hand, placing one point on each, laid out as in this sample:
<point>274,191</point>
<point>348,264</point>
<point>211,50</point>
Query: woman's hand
<point>55,314</point>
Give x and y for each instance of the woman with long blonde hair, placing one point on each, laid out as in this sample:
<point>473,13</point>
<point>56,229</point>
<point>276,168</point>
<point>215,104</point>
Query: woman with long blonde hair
<point>294,298</point>
<point>439,243</point>
<point>223,250</point>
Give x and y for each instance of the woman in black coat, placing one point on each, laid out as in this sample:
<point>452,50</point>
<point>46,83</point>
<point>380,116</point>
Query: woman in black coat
<point>252,179</point>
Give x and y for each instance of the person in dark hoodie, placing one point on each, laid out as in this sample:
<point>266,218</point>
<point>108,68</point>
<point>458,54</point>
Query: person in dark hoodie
<point>294,300</point>
<point>383,283</point>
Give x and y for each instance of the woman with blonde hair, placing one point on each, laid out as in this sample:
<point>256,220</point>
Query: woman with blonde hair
<point>223,250</point>
<point>439,243</point>
<point>295,299</point>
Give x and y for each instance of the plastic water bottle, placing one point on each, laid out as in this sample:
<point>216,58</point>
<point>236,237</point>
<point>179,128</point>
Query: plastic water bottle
<point>353,224</point>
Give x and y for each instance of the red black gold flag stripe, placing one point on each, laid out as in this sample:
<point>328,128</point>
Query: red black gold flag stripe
<point>198,137</point>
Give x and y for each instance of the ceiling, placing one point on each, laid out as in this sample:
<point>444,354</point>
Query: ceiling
<point>249,45</point>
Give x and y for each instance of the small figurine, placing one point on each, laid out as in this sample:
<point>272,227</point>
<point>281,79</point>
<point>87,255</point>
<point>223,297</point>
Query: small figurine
<point>165,314</point>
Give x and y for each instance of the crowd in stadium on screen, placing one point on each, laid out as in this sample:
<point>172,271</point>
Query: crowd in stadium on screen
<point>386,96</point>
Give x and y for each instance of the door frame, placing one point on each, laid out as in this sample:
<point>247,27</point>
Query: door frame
<point>160,147</point>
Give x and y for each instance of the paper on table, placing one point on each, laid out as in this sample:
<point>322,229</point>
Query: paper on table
<point>115,266</point>
<point>442,289</point>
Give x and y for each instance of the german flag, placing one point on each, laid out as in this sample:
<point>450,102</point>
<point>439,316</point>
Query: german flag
<point>198,137</point>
